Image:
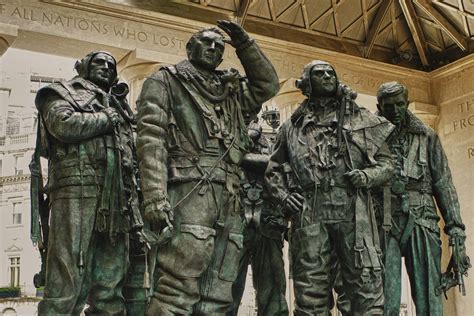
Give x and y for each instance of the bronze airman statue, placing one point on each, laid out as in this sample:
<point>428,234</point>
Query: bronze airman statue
<point>327,158</point>
<point>422,176</point>
<point>85,132</point>
<point>191,140</point>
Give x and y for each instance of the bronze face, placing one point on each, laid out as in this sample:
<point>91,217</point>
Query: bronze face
<point>102,70</point>
<point>323,81</point>
<point>206,50</point>
<point>394,108</point>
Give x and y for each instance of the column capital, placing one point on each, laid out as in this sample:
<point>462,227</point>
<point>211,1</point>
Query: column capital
<point>135,67</point>
<point>427,113</point>
<point>8,34</point>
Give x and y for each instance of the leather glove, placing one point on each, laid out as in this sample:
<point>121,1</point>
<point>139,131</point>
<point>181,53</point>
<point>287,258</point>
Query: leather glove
<point>357,177</point>
<point>458,234</point>
<point>160,215</point>
<point>238,36</point>
<point>294,202</point>
<point>113,115</point>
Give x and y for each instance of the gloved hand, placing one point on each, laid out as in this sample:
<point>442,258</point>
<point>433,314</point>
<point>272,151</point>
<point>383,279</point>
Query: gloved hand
<point>456,231</point>
<point>238,36</point>
<point>114,117</point>
<point>357,178</point>
<point>160,215</point>
<point>294,202</point>
<point>458,235</point>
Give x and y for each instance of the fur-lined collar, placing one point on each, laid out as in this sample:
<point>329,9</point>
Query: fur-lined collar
<point>305,107</point>
<point>414,125</point>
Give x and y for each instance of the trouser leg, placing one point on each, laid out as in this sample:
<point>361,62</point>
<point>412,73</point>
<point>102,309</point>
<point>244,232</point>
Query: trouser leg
<point>343,302</point>
<point>363,285</point>
<point>238,287</point>
<point>216,283</point>
<point>71,225</point>
<point>134,290</point>
<point>269,276</point>
<point>392,279</point>
<point>109,268</point>
<point>310,250</point>
<point>190,277</point>
<point>423,262</point>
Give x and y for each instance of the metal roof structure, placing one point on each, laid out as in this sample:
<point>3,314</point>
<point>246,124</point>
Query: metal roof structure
<point>418,34</point>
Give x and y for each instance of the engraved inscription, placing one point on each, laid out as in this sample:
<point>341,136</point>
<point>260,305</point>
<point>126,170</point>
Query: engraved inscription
<point>470,152</point>
<point>67,23</point>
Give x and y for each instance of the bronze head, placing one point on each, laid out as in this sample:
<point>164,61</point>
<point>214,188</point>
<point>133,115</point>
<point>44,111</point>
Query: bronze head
<point>99,67</point>
<point>318,79</point>
<point>392,102</point>
<point>205,48</point>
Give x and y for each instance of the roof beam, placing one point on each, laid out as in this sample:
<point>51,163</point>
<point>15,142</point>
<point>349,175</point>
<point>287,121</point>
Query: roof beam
<point>284,12</point>
<point>305,15</point>
<point>326,13</point>
<point>337,26</point>
<point>465,23</point>
<point>447,27</point>
<point>415,28</point>
<point>394,27</point>
<point>271,6</point>
<point>365,16</point>
<point>375,27</point>
<point>434,46</point>
<point>344,31</point>
<point>459,11</point>
<point>241,13</point>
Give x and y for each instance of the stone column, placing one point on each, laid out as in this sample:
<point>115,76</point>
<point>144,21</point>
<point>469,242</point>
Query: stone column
<point>453,91</point>
<point>427,113</point>
<point>134,69</point>
<point>8,34</point>
<point>287,99</point>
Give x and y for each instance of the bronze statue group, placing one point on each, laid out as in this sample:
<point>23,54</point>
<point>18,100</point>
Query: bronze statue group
<point>161,212</point>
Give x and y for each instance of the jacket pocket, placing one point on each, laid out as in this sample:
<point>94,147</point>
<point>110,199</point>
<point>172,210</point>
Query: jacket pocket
<point>189,252</point>
<point>230,262</point>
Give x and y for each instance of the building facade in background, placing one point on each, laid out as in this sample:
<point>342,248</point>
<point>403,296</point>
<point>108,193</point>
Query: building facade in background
<point>22,73</point>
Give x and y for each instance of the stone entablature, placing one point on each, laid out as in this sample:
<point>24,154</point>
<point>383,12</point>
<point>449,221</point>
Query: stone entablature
<point>123,29</point>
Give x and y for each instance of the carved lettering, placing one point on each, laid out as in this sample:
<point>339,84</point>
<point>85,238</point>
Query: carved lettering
<point>119,32</point>
<point>83,24</point>
<point>463,123</point>
<point>16,12</point>
<point>470,152</point>
<point>466,106</point>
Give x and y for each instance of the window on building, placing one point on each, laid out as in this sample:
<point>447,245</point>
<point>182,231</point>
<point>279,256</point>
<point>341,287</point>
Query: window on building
<point>18,169</point>
<point>37,82</point>
<point>8,312</point>
<point>13,124</point>
<point>14,271</point>
<point>16,212</point>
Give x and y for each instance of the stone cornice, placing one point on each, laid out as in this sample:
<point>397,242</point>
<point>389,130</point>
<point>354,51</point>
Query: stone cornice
<point>453,67</point>
<point>15,179</point>
<point>182,24</point>
<point>16,151</point>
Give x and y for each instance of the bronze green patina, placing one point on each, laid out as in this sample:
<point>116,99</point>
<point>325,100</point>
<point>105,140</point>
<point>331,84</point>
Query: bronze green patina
<point>263,239</point>
<point>191,140</point>
<point>326,160</point>
<point>422,176</point>
<point>86,135</point>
